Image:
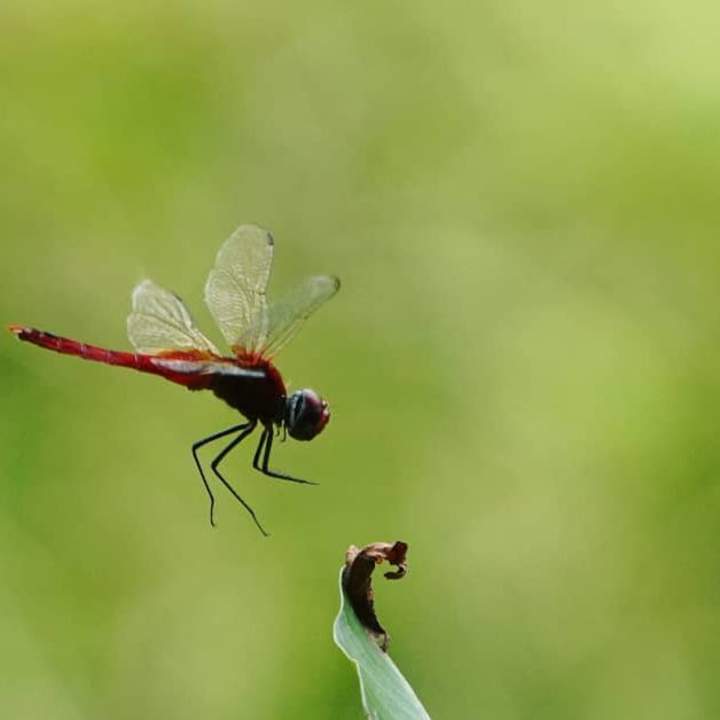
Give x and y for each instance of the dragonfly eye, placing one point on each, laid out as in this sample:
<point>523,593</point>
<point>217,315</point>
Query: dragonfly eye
<point>306,414</point>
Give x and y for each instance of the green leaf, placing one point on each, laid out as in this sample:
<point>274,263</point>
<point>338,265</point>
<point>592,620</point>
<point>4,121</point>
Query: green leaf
<point>386,694</point>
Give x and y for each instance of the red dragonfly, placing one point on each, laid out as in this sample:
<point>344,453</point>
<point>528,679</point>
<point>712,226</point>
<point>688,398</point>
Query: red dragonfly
<point>168,344</point>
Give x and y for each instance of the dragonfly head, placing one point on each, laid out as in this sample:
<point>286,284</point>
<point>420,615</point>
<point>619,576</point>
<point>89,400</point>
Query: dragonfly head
<point>306,414</point>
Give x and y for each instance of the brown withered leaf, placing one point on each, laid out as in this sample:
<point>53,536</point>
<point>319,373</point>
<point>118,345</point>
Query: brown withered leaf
<point>357,581</point>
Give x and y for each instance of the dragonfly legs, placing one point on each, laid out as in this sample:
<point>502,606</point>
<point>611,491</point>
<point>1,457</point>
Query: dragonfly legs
<point>263,451</point>
<point>246,430</point>
<point>196,446</point>
<point>266,441</point>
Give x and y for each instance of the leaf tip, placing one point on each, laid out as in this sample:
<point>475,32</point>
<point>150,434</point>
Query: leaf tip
<point>357,581</point>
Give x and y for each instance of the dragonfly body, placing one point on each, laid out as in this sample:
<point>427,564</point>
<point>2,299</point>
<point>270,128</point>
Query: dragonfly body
<point>168,344</point>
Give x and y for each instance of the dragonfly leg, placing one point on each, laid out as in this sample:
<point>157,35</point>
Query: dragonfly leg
<point>247,429</point>
<point>196,446</point>
<point>266,440</point>
<point>258,451</point>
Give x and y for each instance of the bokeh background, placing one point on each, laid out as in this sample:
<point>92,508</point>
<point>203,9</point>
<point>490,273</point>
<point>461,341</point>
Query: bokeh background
<point>522,202</point>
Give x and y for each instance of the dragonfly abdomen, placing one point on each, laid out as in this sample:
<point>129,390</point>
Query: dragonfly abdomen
<point>73,347</point>
<point>120,358</point>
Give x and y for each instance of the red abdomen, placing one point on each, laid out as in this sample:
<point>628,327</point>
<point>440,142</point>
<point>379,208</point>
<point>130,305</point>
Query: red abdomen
<point>136,361</point>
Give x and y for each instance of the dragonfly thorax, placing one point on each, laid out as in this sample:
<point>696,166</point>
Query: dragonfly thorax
<point>306,414</point>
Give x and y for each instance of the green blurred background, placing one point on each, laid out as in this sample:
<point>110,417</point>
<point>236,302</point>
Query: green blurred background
<point>522,203</point>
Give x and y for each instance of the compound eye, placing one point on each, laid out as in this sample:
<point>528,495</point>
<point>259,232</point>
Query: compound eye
<point>307,414</point>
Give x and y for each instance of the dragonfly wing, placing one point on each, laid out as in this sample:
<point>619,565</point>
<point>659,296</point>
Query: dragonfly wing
<point>235,292</point>
<point>193,367</point>
<point>286,317</point>
<point>160,322</point>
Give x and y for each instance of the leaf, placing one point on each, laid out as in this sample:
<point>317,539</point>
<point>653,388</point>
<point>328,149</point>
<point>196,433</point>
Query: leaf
<point>386,694</point>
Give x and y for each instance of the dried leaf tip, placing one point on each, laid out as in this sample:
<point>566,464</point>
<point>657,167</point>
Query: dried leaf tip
<point>357,581</point>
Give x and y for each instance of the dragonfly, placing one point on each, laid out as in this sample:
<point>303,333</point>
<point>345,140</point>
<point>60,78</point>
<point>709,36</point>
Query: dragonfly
<point>167,343</point>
